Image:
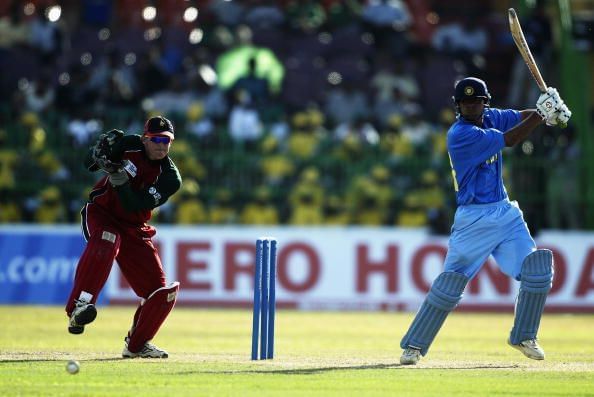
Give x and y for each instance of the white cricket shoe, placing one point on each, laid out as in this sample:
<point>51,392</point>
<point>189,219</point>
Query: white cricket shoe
<point>530,348</point>
<point>410,356</point>
<point>83,314</point>
<point>148,351</point>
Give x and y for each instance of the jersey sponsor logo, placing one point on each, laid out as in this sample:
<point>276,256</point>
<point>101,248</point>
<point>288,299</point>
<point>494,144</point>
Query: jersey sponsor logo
<point>130,168</point>
<point>156,195</point>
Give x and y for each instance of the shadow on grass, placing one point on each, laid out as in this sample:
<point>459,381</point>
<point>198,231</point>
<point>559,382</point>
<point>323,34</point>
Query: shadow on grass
<point>269,371</point>
<point>309,371</point>
<point>45,360</point>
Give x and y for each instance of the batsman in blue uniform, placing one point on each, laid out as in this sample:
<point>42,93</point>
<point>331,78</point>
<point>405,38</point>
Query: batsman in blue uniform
<point>486,221</point>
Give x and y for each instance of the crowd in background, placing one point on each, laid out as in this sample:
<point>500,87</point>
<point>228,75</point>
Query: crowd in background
<point>286,112</point>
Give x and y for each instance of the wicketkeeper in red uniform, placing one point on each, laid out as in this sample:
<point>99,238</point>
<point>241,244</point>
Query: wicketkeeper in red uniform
<point>140,176</point>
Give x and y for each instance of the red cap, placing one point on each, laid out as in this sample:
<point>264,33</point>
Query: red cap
<point>158,125</point>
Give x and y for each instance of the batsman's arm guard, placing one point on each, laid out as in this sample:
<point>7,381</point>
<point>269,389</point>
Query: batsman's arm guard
<point>151,315</point>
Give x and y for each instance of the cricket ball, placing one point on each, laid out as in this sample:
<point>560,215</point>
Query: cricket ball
<point>72,367</point>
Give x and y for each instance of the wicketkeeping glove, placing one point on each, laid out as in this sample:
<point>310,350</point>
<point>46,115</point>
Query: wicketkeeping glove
<point>118,178</point>
<point>103,151</point>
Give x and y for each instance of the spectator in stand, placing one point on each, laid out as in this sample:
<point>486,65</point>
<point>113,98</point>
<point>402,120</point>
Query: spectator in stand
<point>264,15</point>
<point>189,209</point>
<point>261,210</point>
<point>113,80</point>
<point>257,87</point>
<point>10,211</point>
<point>305,16</point>
<point>150,74</point>
<point>199,76</point>
<point>393,144</point>
<point>412,213</point>
<point>14,31</point>
<point>228,13</point>
<point>342,14</point>
<point>46,37</point>
<point>244,121</point>
<point>464,39</point>
<point>435,72</point>
<point>50,207</point>
<point>222,211</point>
<point>39,95</point>
<point>82,126</point>
<point>417,129</point>
<point>187,161</point>
<point>395,104</point>
<point>335,211</point>
<point>306,199</point>
<point>393,74</point>
<point>370,197</point>
<point>274,163</point>
<point>465,36</point>
<point>9,160</point>
<point>305,138</point>
<point>430,192</point>
<point>175,99</point>
<point>345,103</point>
<point>389,21</point>
<point>74,93</point>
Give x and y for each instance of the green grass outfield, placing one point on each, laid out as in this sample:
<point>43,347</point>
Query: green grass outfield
<point>317,354</point>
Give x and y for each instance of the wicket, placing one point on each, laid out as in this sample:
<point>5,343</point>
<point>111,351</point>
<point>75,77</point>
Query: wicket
<point>264,298</point>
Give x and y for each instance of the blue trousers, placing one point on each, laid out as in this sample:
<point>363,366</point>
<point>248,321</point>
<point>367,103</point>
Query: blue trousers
<point>480,230</point>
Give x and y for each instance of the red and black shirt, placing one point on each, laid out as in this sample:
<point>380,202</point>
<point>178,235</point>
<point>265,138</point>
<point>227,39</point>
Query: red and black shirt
<point>151,183</point>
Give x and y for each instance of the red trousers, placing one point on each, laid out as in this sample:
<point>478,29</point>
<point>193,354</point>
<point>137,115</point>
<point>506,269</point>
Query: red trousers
<point>108,239</point>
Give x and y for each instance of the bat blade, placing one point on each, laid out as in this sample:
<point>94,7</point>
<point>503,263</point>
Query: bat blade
<point>518,36</point>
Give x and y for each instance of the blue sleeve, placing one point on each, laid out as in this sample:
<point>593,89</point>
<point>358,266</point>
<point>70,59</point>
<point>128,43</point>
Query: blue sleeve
<point>505,119</point>
<point>474,145</point>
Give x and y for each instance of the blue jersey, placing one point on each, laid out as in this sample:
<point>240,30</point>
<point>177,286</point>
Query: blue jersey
<point>475,156</point>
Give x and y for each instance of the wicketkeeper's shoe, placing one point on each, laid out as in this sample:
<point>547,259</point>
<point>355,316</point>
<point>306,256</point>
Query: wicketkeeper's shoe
<point>410,356</point>
<point>83,314</point>
<point>530,348</point>
<point>148,351</point>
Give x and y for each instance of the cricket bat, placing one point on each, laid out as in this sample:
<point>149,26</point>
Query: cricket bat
<point>518,36</point>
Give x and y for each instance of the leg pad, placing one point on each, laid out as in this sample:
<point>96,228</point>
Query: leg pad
<point>443,297</point>
<point>151,314</point>
<point>536,280</point>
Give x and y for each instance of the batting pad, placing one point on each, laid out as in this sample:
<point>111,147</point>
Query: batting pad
<point>536,280</point>
<point>151,315</point>
<point>443,297</point>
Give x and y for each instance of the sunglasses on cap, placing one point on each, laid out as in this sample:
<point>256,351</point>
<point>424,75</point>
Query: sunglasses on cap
<point>160,139</point>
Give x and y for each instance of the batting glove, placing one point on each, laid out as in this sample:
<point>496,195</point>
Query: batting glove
<point>553,92</point>
<point>548,105</point>
<point>563,116</point>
